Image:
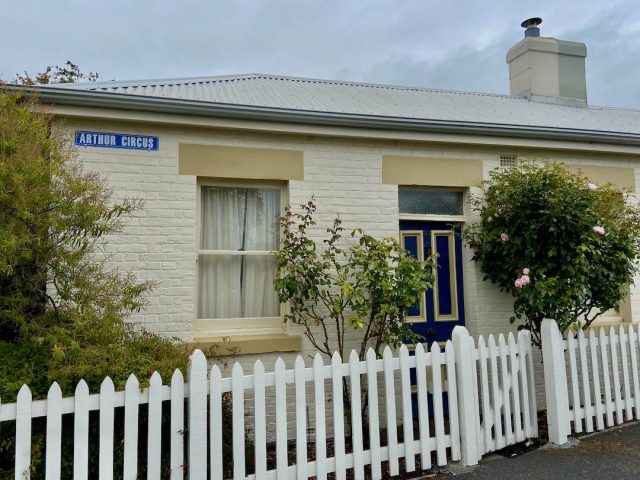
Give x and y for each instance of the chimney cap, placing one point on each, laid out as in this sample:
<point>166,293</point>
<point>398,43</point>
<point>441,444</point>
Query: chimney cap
<point>531,22</point>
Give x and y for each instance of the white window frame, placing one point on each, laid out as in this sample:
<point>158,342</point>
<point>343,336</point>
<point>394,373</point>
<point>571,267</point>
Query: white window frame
<point>228,327</point>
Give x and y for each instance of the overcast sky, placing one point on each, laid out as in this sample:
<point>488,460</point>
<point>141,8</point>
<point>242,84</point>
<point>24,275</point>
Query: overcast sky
<point>450,44</point>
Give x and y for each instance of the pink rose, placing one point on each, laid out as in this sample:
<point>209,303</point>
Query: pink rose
<point>592,186</point>
<point>525,279</point>
<point>518,283</point>
<point>504,237</point>
<point>599,230</point>
<point>525,270</point>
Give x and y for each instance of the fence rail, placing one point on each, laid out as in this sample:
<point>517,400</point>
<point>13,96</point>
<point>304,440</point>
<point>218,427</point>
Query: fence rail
<point>424,407</point>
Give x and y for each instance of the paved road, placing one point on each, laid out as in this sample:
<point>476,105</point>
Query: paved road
<point>613,454</point>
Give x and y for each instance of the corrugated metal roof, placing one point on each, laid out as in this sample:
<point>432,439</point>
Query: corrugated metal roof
<point>331,96</point>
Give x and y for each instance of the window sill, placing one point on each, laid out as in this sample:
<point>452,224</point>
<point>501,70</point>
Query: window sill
<point>249,344</point>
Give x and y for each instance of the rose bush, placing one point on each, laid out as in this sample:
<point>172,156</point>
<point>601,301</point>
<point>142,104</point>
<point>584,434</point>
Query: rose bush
<point>564,247</point>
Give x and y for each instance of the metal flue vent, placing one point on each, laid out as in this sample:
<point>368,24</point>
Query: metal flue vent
<point>531,27</point>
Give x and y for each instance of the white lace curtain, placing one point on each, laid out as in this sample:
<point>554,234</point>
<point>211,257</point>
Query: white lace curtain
<point>238,285</point>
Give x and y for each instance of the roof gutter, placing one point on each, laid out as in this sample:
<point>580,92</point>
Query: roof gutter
<point>91,98</point>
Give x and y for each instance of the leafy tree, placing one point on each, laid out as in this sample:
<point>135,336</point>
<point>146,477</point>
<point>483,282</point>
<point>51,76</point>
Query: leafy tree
<point>563,247</point>
<point>67,73</point>
<point>62,309</point>
<point>337,290</point>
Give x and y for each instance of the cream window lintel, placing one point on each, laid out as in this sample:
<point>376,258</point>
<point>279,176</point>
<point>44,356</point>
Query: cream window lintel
<point>431,171</point>
<point>217,161</point>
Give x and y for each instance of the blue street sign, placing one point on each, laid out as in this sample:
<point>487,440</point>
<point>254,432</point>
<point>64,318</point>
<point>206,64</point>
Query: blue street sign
<point>129,141</point>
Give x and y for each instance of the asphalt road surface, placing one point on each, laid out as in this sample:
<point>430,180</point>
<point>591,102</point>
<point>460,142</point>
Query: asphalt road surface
<point>613,454</point>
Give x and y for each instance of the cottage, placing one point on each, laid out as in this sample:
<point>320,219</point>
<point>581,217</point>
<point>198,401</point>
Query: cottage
<point>216,158</point>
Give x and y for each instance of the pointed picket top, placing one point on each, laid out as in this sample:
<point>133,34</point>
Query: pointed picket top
<point>156,379</point>
<point>592,335</point>
<point>403,348</point>
<point>511,339</point>
<point>177,376</point>
<point>501,340</point>
<point>612,331</point>
<point>335,358</point>
<point>581,335</point>
<point>107,385</point>
<point>299,363</point>
<point>237,369</point>
<point>258,368</point>
<point>387,352</point>
<point>448,347</point>
<point>481,343</point>
<point>435,347</point>
<point>317,361</point>
<point>132,382</point>
<point>55,392</point>
<point>354,357</point>
<point>82,388</point>
<point>570,333</point>
<point>602,333</point>
<point>492,341</point>
<point>523,337</point>
<point>371,355</point>
<point>197,358</point>
<point>216,373</point>
<point>419,348</point>
<point>24,394</point>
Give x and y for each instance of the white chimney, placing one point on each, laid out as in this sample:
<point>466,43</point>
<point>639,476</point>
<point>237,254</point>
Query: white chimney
<point>546,69</point>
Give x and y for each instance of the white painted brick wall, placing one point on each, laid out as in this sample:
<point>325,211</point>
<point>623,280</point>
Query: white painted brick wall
<point>343,175</point>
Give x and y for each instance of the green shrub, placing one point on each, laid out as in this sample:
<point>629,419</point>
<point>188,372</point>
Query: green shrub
<point>563,247</point>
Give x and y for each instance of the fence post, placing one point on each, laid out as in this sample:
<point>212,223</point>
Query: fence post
<point>555,382</point>
<point>465,389</point>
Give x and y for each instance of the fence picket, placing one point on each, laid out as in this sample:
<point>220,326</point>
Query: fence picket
<point>54,432</point>
<point>505,390</point>
<point>131,406</point>
<point>338,417</point>
<point>356,416</point>
<point>282,461</point>
<point>423,406</point>
<point>176,460</point>
<point>618,405</point>
<point>597,391</point>
<point>628,401</point>
<point>107,393</point>
<point>573,368</point>
<point>407,412</point>
<point>259,416</point>
<point>523,337</point>
<point>438,411</point>
<point>604,357</point>
<point>533,403</point>
<point>586,388</point>
<point>215,417</point>
<point>500,440</point>
<point>81,431</point>
<point>390,403</point>
<point>374,417</point>
<point>471,347</point>
<point>23,434</point>
<point>198,415</point>
<point>154,423</point>
<point>487,422</point>
<point>237,407</point>
<point>321,429</point>
<point>633,341</point>
<point>454,421</point>
<point>515,368</point>
<point>301,419</point>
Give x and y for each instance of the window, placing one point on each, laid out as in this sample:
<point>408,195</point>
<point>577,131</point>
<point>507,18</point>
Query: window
<point>237,236</point>
<point>413,200</point>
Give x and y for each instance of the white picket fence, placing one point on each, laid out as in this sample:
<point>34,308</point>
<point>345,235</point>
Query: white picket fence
<point>488,392</point>
<point>590,379</point>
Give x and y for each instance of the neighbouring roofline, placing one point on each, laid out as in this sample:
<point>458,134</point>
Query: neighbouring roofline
<point>89,98</point>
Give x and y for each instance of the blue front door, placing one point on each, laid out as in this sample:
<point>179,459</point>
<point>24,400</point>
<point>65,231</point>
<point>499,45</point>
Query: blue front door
<point>441,308</point>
